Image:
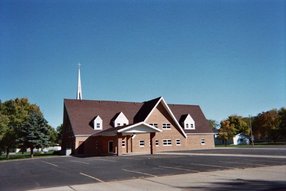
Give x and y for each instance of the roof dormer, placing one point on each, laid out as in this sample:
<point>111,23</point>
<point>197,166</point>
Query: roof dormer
<point>121,120</point>
<point>97,123</point>
<point>189,122</point>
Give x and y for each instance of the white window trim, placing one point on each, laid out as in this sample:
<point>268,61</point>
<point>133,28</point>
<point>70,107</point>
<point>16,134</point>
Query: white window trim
<point>123,143</point>
<point>166,126</point>
<point>97,121</point>
<point>178,142</point>
<point>141,142</point>
<point>154,124</point>
<point>189,123</point>
<point>120,120</point>
<point>157,143</point>
<point>203,141</point>
<point>168,141</point>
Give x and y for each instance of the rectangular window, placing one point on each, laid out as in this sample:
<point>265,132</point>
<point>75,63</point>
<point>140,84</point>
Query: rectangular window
<point>157,142</point>
<point>187,126</point>
<point>142,143</point>
<point>203,141</point>
<point>166,126</point>
<point>98,125</point>
<point>167,142</point>
<point>178,142</point>
<point>118,124</point>
<point>192,126</point>
<point>154,124</point>
<point>123,143</point>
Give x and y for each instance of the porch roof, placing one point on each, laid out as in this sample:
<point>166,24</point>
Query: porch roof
<point>137,128</point>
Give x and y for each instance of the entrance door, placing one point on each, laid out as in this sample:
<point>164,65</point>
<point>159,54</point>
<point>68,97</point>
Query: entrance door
<point>110,147</point>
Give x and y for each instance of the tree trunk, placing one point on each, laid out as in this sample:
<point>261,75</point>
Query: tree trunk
<point>32,152</point>
<point>7,153</point>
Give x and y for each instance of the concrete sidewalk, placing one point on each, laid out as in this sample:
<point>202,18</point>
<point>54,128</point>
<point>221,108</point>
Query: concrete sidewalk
<point>261,178</point>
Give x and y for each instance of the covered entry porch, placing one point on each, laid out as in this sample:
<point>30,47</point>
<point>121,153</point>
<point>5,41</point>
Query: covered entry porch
<point>132,139</point>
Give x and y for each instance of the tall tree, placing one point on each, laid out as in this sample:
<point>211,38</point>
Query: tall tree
<point>226,131</point>
<point>60,134</point>
<point>34,132</point>
<point>282,123</point>
<point>265,125</point>
<point>240,125</point>
<point>214,124</point>
<point>13,114</point>
<point>53,135</point>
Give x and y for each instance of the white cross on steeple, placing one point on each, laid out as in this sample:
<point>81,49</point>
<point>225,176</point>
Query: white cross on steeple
<point>79,92</point>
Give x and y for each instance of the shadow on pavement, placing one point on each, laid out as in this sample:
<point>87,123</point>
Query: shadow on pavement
<point>240,184</point>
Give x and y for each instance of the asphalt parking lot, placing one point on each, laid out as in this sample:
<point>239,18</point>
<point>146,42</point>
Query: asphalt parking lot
<point>60,171</point>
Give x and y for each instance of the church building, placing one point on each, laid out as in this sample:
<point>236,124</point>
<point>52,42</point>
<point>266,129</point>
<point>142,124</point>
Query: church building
<point>96,127</point>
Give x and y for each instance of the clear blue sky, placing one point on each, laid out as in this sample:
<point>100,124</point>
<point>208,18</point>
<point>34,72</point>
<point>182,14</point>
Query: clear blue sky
<point>228,56</point>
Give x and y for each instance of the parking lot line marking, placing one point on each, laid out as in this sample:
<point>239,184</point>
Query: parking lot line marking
<point>50,163</point>
<point>92,177</point>
<point>79,162</point>
<point>211,165</point>
<point>138,172</point>
<point>250,163</point>
<point>179,168</point>
<point>108,160</point>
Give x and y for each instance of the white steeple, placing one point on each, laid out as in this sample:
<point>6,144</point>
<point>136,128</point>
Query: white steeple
<point>79,92</point>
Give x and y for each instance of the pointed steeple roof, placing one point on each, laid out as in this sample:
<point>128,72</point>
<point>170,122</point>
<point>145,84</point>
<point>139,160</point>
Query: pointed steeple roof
<point>79,91</point>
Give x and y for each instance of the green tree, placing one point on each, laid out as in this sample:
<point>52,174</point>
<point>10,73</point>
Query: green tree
<point>226,131</point>
<point>34,132</point>
<point>60,134</point>
<point>13,114</point>
<point>214,124</point>
<point>53,135</point>
<point>240,124</point>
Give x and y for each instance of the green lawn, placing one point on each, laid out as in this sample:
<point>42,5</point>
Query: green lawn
<point>27,155</point>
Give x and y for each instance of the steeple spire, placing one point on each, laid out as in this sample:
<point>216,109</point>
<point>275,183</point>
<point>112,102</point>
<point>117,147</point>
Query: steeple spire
<point>79,92</point>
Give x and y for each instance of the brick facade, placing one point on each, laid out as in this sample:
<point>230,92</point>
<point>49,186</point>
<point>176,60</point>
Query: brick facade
<point>165,134</point>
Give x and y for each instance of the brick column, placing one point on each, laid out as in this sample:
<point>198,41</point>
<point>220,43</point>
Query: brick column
<point>119,142</point>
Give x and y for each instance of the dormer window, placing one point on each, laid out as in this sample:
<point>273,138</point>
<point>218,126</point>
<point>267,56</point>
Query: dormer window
<point>189,122</point>
<point>121,120</point>
<point>97,123</point>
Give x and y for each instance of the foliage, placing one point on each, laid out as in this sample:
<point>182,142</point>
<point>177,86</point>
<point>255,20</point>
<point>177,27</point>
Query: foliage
<point>226,131</point>
<point>53,136</point>
<point>282,122</point>
<point>60,134</point>
<point>214,124</point>
<point>34,132</point>
<point>13,114</point>
<point>267,125</point>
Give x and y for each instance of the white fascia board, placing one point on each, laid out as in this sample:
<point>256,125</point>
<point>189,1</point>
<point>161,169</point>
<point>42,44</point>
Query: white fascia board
<point>201,133</point>
<point>83,135</point>
<point>138,124</point>
<point>170,112</point>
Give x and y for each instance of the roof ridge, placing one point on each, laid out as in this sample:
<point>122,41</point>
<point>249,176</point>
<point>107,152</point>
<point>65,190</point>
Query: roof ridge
<point>110,101</point>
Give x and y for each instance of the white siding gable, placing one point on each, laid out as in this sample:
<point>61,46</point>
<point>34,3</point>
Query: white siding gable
<point>97,123</point>
<point>189,122</point>
<point>121,120</point>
